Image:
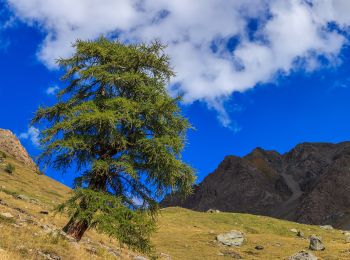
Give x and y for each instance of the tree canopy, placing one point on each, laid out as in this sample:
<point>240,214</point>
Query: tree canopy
<point>115,122</point>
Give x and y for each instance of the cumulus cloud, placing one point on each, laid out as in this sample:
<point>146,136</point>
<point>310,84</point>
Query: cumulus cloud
<point>216,47</point>
<point>52,90</point>
<point>32,134</point>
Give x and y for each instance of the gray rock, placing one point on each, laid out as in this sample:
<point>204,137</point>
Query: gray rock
<point>316,243</point>
<point>91,249</point>
<point>327,227</point>
<point>294,230</point>
<point>7,215</point>
<point>26,198</point>
<point>64,235</point>
<point>49,256</point>
<point>213,211</point>
<point>347,237</point>
<point>23,197</point>
<point>231,254</point>
<point>114,252</point>
<point>300,233</point>
<point>47,228</point>
<point>165,256</point>
<point>302,255</point>
<point>140,258</point>
<point>232,238</point>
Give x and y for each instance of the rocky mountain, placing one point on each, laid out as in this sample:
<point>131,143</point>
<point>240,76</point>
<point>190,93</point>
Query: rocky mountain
<point>309,184</point>
<point>10,144</point>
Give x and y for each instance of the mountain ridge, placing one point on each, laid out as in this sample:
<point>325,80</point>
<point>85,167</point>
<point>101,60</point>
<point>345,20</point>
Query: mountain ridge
<point>297,185</point>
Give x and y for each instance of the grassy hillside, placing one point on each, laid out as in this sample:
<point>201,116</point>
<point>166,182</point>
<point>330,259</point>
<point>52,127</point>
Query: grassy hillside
<point>28,197</point>
<point>183,234</point>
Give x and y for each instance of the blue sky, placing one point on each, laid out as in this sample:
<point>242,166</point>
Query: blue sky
<point>274,91</point>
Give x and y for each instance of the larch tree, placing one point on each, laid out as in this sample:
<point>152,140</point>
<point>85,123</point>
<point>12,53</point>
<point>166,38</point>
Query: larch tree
<point>117,126</point>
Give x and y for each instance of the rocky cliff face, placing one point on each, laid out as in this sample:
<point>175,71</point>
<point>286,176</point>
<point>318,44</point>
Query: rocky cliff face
<point>309,184</point>
<point>10,144</point>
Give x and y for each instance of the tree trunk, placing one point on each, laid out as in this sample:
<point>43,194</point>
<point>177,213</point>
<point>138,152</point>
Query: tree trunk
<point>76,228</point>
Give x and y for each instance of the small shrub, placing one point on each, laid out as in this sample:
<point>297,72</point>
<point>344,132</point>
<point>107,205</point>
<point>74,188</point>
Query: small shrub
<point>12,193</point>
<point>3,155</point>
<point>6,220</point>
<point>10,168</point>
<point>40,172</point>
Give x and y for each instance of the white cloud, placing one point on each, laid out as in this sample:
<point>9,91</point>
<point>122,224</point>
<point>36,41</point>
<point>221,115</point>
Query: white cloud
<point>290,35</point>
<point>52,90</point>
<point>32,134</point>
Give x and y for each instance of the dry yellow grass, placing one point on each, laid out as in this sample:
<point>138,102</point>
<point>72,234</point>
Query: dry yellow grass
<point>182,234</point>
<point>24,239</point>
<point>185,234</point>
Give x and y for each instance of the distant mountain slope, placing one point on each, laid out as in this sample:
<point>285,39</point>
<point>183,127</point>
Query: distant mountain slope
<point>309,184</point>
<point>11,145</point>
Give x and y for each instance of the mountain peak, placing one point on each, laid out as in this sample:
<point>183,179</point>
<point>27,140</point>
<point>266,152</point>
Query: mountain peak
<point>10,144</point>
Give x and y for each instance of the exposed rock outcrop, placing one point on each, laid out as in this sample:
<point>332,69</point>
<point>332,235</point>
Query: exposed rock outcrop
<point>232,238</point>
<point>10,144</point>
<point>309,184</point>
<point>316,243</point>
<point>303,255</point>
